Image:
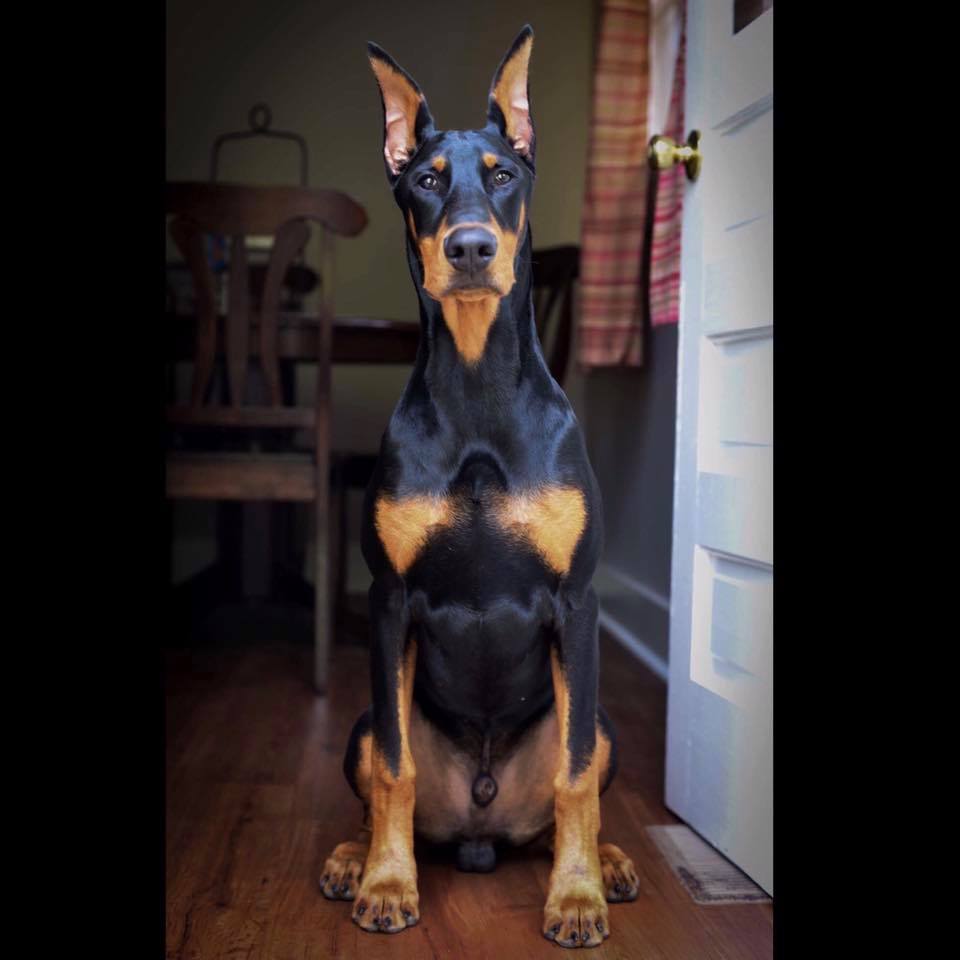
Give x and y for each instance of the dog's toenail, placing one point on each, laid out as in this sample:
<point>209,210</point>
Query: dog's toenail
<point>574,937</point>
<point>618,889</point>
<point>385,922</point>
<point>600,926</point>
<point>361,910</point>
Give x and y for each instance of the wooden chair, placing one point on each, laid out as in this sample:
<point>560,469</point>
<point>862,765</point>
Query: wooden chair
<point>555,270</point>
<point>249,331</point>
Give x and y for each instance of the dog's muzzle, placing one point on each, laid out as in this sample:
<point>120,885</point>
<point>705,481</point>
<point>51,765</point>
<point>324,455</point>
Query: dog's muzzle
<point>470,250</point>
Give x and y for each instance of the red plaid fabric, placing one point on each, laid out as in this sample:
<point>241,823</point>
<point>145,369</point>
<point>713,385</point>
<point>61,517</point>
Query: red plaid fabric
<point>668,210</point>
<point>614,210</point>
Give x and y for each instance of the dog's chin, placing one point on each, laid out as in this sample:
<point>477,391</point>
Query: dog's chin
<point>472,293</point>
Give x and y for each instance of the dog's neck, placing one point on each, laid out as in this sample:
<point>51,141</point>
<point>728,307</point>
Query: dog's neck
<point>510,351</point>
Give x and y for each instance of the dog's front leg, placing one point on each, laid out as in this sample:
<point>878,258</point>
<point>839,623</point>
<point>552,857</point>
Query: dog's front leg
<point>387,899</point>
<point>576,910</point>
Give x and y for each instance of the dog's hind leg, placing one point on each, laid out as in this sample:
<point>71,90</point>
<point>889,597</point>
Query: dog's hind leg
<point>619,875</point>
<point>344,867</point>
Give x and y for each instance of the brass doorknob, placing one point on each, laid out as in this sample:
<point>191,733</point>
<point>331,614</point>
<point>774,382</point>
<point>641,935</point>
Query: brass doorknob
<point>664,152</point>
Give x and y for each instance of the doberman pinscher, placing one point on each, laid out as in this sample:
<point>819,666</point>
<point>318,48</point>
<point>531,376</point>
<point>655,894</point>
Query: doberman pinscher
<point>482,526</point>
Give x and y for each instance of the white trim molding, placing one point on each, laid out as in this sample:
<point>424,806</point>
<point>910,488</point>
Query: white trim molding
<point>636,615</point>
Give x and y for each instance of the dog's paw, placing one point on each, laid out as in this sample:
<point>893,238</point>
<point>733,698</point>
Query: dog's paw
<point>387,902</point>
<point>343,870</point>
<point>619,876</point>
<point>576,919</point>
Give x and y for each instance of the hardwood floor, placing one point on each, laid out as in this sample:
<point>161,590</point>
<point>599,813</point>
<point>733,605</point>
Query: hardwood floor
<point>256,800</point>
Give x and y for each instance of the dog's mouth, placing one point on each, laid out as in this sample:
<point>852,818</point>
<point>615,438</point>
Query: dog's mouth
<point>472,289</point>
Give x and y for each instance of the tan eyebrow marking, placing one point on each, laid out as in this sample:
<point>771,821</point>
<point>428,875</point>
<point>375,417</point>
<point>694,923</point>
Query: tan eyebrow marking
<point>490,160</point>
<point>439,164</point>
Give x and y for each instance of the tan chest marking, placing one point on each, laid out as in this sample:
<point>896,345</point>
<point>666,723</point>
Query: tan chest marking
<point>551,520</point>
<point>405,525</point>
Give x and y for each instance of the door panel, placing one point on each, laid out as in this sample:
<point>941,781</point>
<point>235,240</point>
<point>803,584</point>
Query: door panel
<point>720,707</point>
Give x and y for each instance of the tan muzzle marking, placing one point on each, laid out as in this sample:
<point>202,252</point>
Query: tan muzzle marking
<point>469,314</point>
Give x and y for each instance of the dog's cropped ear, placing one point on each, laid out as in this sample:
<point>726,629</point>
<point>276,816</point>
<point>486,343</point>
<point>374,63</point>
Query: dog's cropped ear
<point>406,118</point>
<point>509,104</point>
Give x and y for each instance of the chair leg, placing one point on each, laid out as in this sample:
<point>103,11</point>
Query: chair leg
<point>257,551</point>
<point>343,545</point>
<point>321,575</point>
<point>338,543</point>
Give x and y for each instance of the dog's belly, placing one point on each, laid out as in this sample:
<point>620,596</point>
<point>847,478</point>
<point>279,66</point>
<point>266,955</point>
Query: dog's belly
<point>524,804</point>
<point>486,669</point>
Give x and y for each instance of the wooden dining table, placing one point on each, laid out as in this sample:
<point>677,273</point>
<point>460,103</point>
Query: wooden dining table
<point>356,339</point>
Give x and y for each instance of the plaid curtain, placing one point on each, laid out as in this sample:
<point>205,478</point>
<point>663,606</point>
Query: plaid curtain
<point>615,202</point>
<point>619,198</point>
<point>668,209</point>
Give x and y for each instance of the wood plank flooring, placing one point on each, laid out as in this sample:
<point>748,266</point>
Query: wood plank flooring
<point>256,800</point>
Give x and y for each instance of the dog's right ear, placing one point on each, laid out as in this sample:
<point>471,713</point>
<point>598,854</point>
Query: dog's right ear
<point>406,118</point>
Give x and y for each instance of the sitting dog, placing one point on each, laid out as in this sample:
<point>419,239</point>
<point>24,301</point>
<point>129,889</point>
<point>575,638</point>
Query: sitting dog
<point>482,526</point>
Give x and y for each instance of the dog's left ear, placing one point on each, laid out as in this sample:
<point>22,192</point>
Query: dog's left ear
<point>509,104</point>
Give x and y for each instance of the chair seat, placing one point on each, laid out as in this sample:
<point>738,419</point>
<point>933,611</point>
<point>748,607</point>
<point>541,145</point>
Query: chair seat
<point>241,476</point>
<point>246,416</point>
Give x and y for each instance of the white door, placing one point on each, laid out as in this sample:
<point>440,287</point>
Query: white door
<point>719,768</point>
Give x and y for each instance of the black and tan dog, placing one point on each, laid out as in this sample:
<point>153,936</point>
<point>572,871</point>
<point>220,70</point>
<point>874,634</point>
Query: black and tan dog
<point>482,528</point>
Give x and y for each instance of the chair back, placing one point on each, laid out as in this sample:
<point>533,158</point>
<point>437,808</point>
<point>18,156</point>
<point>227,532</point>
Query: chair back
<point>555,269</point>
<point>233,212</point>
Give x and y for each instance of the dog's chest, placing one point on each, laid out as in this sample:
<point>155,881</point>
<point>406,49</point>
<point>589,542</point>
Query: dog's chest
<point>548,521</point>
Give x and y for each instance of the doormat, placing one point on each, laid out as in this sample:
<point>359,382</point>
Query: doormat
<point>706,874</point>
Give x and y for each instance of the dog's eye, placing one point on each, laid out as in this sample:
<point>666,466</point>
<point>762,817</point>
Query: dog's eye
<point>429,182</point>
<point>502,177</point>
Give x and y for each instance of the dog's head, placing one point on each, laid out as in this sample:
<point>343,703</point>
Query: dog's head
<point>465,195</point>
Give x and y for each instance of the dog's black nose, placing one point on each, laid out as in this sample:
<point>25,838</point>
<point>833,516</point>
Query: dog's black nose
<point>470,249</point>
